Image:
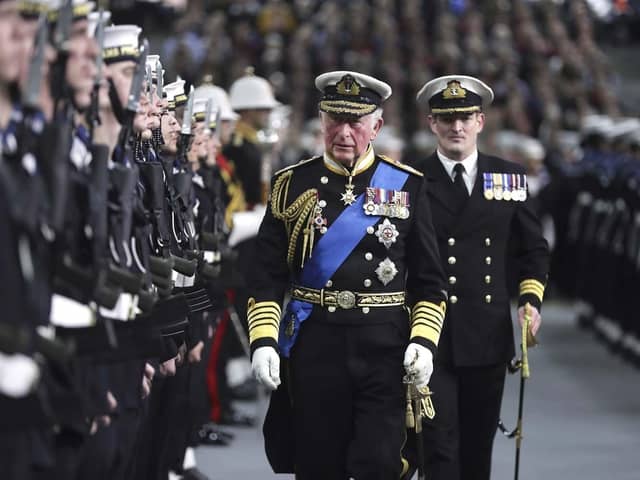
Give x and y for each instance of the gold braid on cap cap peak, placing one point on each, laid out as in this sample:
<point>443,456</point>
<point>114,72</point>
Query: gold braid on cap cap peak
<point>348,97</point>
<point>455,99</point>
<point>345,107</point>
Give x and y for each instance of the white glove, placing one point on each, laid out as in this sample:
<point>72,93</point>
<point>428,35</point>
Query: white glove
<point>18,375</point>
<point>418,361</point>
<point>266,367</point>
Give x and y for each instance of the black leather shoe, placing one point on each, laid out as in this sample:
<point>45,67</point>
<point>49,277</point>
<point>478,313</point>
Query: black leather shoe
<point>214,427</point>
<point>213,438</point>
<point>232,417</point>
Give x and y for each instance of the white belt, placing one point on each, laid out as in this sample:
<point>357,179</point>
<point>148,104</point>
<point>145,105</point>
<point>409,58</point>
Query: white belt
<point>125,308</point>
<point>180,280</point>
<point>66,312</point>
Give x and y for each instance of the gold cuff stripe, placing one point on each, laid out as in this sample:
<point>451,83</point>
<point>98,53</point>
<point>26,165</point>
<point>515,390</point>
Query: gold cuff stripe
<point>272,317</point>
<point>472,109</point>
<point>263,324</point>
<point>424,328</point>
<point>433,321</point>
<point>427,310</point>
<point>262,318</point>
<point>431,308</point>
<point>263,332</point>
<point>426,332</point>
<point>532,286</point>
<point>436,327</point>
<point>265,307</point>
<point>423,318</point>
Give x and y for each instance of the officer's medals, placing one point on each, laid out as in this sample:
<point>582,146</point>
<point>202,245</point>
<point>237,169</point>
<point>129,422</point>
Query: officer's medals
<point>387,233</point>
<point>488,186</point>
<point>505,186</point>
<point>387,203</point>
<point>507,183</point>
<point>386,271</point>
<point>319,220</point>
<point>348,197</point>
<point>497,186</point>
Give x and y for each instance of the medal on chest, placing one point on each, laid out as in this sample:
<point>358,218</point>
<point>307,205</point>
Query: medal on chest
<point>388,203</point>
<point>348,197</point>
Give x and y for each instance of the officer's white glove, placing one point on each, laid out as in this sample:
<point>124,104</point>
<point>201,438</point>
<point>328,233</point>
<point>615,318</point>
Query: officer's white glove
<point>266,367</point>
<point>418,361</point>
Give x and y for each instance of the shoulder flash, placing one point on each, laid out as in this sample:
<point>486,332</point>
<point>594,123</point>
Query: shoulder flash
<point>295,165</point>
<point>401,166</point>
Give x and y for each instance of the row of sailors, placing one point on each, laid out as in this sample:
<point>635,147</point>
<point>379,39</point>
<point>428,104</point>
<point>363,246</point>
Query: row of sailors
<point>117,213</point>
<point>595,206</point>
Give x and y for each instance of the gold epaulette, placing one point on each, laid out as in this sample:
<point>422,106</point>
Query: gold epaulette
<point>401,166</point>
<point>301,162</point>
<point>237,140</point>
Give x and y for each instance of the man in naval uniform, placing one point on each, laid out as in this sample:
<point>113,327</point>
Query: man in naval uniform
<point>482,216</point>
<point>349,236</point>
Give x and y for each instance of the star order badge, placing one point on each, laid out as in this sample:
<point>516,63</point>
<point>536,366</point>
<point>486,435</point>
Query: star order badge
<point>348,197</point>
<point>386,271</point>
<point>387,233</point>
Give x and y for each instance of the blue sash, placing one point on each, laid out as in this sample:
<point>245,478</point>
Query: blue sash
<point>333,249</point>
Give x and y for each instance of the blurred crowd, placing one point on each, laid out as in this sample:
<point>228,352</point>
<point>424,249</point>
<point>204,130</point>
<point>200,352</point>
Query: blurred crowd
<point>541,57</point>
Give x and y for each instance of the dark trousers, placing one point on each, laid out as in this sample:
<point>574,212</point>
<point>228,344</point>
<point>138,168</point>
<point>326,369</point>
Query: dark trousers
<point>348,401</point>
<point>458,442</point>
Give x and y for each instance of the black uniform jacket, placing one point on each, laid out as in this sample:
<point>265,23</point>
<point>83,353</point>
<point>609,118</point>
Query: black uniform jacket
<point>315,186</point>
<point>475,246</point>
<point>246,154</point>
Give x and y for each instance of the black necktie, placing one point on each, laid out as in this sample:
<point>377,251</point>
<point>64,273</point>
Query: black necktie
<point>462,194</point>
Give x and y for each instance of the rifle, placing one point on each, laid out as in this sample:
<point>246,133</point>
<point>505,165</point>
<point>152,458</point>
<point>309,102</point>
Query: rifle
<point>61,35</point>
<point>31,93</point>
<point>93,114</point>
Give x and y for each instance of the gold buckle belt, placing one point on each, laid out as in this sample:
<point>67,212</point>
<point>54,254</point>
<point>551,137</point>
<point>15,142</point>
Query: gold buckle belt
<point>347,299</point>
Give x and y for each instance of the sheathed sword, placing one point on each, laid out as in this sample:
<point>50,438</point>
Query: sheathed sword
<point>419,406</point>
<point>522,365</point>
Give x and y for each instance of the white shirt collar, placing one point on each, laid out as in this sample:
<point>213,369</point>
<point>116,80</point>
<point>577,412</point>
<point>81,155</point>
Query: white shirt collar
<point>470,168</point>
<point>470,164</point>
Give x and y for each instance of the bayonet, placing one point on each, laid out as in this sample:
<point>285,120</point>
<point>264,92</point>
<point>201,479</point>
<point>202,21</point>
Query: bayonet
<point>31,93</point>
<point>187,115</point>
<point>148,78</point>
<point>208,113</point>
<point>93,113</point>
<point>216,132</point>
<point>133,101</point>
<point>159,79</point>
<point>99,35</point>
<point>63,26</point>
